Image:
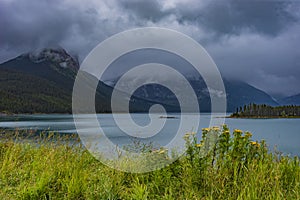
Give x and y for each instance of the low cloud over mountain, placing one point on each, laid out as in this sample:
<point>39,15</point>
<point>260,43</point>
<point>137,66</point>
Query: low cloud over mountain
<point>254,41</point>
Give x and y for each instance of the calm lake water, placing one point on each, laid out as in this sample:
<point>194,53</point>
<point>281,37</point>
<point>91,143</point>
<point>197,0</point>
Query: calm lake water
<point>284,134</point>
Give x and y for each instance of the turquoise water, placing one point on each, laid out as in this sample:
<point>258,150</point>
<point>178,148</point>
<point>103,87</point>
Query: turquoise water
<point>282,134</point>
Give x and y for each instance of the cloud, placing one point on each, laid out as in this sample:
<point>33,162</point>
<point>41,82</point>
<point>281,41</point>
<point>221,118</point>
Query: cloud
<point>220,17</point>
<point>40,23</point>
<point>261,60</point>
<point>255,41</point>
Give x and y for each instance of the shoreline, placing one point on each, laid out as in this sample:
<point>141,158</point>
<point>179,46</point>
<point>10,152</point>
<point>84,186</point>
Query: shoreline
<point>229,116</point>
<point>263,117</point>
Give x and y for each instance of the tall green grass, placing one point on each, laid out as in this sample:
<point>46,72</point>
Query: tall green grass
<point>222,165</point>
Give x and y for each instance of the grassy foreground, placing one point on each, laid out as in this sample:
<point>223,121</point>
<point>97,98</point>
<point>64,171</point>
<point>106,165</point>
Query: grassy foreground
<point>235,167</point>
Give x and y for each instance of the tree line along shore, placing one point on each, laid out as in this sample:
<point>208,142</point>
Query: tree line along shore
<point>266,111</point>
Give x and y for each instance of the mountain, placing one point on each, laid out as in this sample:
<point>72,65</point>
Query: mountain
<point>39,82</point>
<point>42,82</point>
<point>238,93</point>
<point>291,100</point>
<point>54,65</point>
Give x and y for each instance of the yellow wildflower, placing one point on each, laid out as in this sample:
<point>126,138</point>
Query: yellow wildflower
<point>226,132</point>
<point>187,135</point>
<point>238,131</point>
<point>162,151</point>
<point>255,144</point>
<point>199,145</point>
<point>216,128</point>
<point>248,134</point>
<point>206,129</point>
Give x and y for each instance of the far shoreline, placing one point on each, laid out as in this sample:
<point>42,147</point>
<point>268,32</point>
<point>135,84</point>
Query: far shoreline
<point>263,117</point>
<point>229,116</point>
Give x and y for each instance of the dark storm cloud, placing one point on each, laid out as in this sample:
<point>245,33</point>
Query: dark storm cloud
<point>33,23</point>
<point>144,9</point>
<point>28,25</point>
<point>255,41</point>
<point>222,17</point>
<point>258,16</point>
<point>270,63</point>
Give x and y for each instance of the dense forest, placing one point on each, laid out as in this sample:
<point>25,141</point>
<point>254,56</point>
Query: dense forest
<point>266,111</point>
<point>22,93</point>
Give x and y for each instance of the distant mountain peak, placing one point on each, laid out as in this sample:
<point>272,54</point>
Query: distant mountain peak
<point>56,55</point>
<point>291,100</point>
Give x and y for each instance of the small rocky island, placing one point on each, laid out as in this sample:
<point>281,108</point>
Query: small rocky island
<point>167,117</point>
<point>266,111</point>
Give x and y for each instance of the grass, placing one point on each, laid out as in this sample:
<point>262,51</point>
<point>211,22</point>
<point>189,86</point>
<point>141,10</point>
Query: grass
<point>231,167</point>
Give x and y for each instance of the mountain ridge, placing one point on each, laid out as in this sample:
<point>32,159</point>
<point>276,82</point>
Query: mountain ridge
<point>29,71</point>
<point>238,93</point>
<point>56,70</point>
<point>291,100</point>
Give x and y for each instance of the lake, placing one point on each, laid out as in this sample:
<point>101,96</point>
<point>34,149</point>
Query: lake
<point>284,134</point>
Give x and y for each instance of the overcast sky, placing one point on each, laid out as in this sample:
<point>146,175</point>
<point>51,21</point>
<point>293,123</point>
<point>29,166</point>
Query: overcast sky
<point>255,41</point>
